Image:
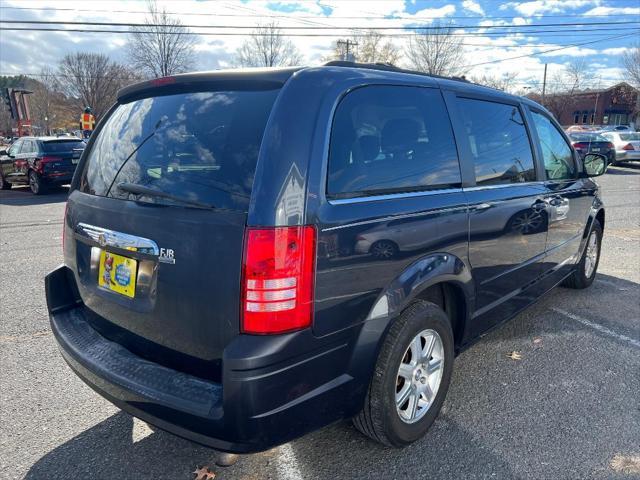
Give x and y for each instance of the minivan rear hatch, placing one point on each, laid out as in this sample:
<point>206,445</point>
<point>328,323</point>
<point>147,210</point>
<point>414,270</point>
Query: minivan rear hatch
<point>157,218</point>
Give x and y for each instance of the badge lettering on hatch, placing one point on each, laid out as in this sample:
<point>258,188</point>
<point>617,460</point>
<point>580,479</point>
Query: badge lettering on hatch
<point>167,256</point>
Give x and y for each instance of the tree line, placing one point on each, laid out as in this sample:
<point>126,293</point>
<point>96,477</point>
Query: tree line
<point>163,46</point>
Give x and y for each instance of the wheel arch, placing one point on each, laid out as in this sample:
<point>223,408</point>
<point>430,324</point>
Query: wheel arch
<point>441,278</point>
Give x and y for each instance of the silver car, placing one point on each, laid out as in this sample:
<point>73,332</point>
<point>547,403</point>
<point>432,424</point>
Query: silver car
<point>627,145</point>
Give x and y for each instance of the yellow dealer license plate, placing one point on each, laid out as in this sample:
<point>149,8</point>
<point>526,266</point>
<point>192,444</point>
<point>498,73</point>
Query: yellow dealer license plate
<point>118,274</point>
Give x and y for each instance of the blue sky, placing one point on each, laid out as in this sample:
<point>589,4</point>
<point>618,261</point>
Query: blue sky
<point>488,53</point>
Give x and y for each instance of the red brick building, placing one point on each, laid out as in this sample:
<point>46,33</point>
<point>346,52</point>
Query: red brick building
<point>617,105</point>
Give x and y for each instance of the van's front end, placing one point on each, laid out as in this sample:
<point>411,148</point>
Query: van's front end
<point>171,303</point>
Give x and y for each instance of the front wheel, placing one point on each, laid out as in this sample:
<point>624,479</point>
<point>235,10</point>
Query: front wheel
<point>585,271</point>
<point>411,377</point>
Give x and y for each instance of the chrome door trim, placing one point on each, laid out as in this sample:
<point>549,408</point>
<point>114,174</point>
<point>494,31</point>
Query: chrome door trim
<point>105,237</point>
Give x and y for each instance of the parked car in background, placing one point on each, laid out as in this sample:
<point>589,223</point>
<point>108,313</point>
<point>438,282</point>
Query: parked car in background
<point>590,142</point>
<point>40,162</point>
<point>617,128</point>
<point>193,294</point>
<point>626,144</point>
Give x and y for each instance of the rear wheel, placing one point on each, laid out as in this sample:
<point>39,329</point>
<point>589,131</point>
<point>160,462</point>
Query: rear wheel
<point>35,183</point>
<point>411,377</point>
<point>585,271</point>
<point>4,185</point>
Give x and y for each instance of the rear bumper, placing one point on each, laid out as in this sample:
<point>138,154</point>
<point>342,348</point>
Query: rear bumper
<point>274,388</point>
<point>627,155</point>
<point>57,177</point>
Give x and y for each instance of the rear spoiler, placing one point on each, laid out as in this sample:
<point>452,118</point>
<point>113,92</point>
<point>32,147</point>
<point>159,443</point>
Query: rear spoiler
<point>241,79</point>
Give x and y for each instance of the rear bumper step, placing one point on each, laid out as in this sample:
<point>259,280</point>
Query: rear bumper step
<point>116,365</point>
<point>275,388</point>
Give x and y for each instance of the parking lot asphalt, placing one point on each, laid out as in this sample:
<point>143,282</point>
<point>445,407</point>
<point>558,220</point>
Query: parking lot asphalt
<point>569,408</point>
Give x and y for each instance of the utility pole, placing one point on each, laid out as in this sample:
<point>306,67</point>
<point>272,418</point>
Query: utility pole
<point>347,43</point>
<point>544,83</point>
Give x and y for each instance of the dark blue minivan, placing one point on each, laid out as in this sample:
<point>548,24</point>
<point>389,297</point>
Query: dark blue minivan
<point>251,255</point>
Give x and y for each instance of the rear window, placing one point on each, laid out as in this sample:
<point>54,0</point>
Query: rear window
<point>201,147</point>
<point>62,146</point>
<point>587,137</point>
<point>630,137</point>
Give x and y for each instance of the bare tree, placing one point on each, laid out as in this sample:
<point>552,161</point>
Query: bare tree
<point>267,47</point>
<point>631,64</point>
<point>505,82</point>
<point>46,101</point>
<point>163,46</point>
<point>575,74</point>
<point>92,79</point>
<point>367,48</point>
<point>437,51</point>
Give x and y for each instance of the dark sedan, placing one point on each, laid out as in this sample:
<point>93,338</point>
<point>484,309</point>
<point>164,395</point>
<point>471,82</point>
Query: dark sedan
<point>586,142</point>
<point>40,162</point>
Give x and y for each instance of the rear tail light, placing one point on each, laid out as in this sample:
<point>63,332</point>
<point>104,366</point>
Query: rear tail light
<point>628,146</point>
<point>40,162</point>
<point>580,145</point>
<point>277,279</point>
<point>610,145</point>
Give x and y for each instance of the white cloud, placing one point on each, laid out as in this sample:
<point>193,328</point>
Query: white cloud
<point>615,50</point>
<point>613,11</point>
<point>538,7</point>
<point>473,6</point>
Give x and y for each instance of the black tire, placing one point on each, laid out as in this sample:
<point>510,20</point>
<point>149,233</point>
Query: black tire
<point>4,185</point>
<point>579,278</point>
<point>35,183</point>
<point>384,249</point>
<point>379,418</point>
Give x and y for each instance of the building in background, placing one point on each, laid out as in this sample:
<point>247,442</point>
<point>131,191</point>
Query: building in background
<point>617,105</point>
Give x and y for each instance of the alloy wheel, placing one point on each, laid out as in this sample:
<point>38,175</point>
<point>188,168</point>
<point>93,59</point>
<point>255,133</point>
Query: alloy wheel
<point>591,256</point>
<point>419,376</point>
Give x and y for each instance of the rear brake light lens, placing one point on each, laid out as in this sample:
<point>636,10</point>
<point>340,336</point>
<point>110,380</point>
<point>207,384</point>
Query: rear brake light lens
<point>278,279</point>
<point>40,162</point>
<point>628,146</point>
<point>610,145</point>
<point>580,145</point>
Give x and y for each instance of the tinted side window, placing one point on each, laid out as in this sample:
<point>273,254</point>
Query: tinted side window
<point>15,148</point>
<point>391,139</point>
<point>27,146</point>
<point>558,159</point>
<point>499,142</point>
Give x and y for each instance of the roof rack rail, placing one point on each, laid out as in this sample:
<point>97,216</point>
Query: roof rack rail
<point>388,67</point>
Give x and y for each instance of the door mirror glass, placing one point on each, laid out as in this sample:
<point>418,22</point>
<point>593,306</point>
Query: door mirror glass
<point>594,164</point>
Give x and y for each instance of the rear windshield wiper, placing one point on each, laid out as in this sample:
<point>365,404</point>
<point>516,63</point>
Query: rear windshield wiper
<point>152,192</point>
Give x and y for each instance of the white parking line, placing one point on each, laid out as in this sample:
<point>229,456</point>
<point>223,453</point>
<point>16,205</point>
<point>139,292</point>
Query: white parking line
<point>598,327</point>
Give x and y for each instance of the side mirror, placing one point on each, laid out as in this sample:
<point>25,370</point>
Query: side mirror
<point>594,164</point>
<point>3,152</point>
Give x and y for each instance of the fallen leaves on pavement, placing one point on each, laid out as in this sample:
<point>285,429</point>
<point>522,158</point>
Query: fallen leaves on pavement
<point>204,473</point>
<point>514,355</point>
<point>626,464</point>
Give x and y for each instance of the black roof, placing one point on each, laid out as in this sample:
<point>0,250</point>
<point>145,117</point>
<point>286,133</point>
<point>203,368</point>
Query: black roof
<point>388,67</point>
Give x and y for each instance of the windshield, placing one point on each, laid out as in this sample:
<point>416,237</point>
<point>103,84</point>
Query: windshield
<point>62,146</point>
<point>200,146</point>
<point>627,137</point>
<point>588,137</point>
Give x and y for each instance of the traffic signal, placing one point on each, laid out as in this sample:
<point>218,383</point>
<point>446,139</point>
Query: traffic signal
<point>9,102</point>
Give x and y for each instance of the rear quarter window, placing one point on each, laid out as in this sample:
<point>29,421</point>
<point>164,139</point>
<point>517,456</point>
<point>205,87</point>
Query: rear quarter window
<point>391,139</point>
<point>199,146</point>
